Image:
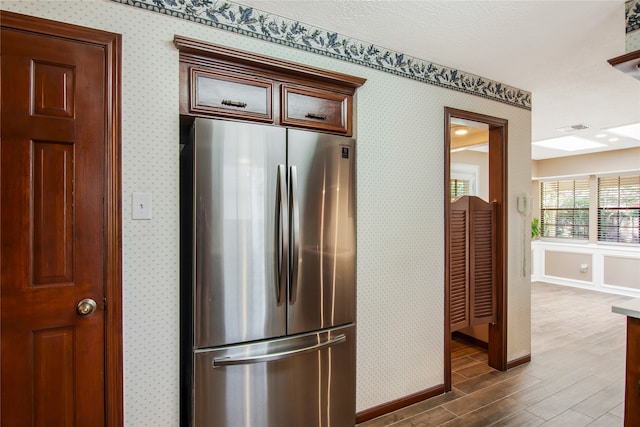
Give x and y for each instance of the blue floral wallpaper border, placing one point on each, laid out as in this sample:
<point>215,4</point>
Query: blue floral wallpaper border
<point>632,15</point>
<point>251,22</point>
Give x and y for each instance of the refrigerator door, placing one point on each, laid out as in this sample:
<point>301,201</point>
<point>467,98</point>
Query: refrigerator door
<point>323,231</point>
<point>240,210</point>
<point>307,380</point>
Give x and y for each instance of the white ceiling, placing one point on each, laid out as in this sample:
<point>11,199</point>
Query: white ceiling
<point>557,50</point>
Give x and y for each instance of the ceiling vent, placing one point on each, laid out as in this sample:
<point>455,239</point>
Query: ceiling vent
<point>573,128</point>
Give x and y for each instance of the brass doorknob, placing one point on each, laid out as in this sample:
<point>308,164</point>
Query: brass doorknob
<point>86,307</point>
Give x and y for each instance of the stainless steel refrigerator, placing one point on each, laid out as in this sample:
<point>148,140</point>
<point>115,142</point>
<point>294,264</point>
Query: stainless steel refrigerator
<point>268,250</point>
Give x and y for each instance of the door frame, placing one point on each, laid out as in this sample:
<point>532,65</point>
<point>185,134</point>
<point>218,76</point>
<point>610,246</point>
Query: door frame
<point>497,157</point>
<point>112,208</point>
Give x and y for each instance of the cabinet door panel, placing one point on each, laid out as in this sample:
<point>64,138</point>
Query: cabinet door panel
<point>229,95</point>
<point>316,109</point>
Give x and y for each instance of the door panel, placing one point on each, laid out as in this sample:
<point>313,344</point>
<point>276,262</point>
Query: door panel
<point>53,376</point>
<point>53,227</point>
<point>322,288</point>
<point>52,182</point>
<point>239,295</point>
<point>458,269</point>
<point>53,89</point>
<point>482,248</point>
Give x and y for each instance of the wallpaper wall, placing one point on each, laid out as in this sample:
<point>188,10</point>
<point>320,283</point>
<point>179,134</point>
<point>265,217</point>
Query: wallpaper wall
<point>400,133</point>
<point>263,25</point>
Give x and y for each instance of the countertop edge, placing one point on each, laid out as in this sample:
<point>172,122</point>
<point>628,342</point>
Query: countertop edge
<point>629,308</point>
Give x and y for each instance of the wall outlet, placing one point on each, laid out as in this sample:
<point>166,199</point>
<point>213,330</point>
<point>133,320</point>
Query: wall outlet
<point>141,205</point>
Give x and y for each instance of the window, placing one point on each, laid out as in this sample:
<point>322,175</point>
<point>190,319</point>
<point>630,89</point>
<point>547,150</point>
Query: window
<point>619,209</point>
<point>459,187</point>
<point>565,209</point>
<point>463,179</point>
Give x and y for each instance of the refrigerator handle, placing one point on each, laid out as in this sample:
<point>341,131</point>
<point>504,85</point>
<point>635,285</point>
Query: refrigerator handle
<point>282,233</point>
<point>269,357</point>
<point>295,231</point>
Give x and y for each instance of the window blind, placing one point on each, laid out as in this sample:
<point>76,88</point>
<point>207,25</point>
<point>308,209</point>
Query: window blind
<point>565,209</point>
<point>459,187</point>
<point>619,209</point>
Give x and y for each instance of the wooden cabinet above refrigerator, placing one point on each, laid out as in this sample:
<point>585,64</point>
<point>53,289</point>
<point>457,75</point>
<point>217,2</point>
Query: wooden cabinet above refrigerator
<point>629,63</point>
<point>217,81</point>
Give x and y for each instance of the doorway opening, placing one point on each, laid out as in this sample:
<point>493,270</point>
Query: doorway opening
<point>475,149</point>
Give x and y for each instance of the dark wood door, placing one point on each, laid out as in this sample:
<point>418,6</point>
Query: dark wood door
<point>52,214</point>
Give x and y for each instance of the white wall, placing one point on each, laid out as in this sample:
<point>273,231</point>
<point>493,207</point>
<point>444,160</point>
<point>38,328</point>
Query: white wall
<point>599,267</point>
<point>400,213</point>
<point>605,163</point>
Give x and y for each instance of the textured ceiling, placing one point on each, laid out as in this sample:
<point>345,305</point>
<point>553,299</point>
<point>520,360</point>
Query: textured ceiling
<point>557,50</point>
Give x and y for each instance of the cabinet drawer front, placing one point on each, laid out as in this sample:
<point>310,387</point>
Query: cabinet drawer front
<point>230,96</point>
<point>316,109</point>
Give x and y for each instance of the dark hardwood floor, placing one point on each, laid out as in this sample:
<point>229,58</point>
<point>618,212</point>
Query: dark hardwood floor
<point>575,377</point>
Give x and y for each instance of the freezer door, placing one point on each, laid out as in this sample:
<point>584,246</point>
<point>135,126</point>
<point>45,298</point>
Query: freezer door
<point>306,380</point>
<point>323,231</point>
<point>240,209</point>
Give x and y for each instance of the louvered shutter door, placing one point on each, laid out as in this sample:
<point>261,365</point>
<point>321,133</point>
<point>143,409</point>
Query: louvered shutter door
<point>482,257</point>
<point>458,267</point>
<point>472,262</point>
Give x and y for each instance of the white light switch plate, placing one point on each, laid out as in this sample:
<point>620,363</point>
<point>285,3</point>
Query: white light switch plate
<point>141,206</point>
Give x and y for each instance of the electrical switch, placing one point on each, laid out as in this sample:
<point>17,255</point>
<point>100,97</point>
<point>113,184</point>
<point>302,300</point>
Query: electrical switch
<point>141,205</point>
